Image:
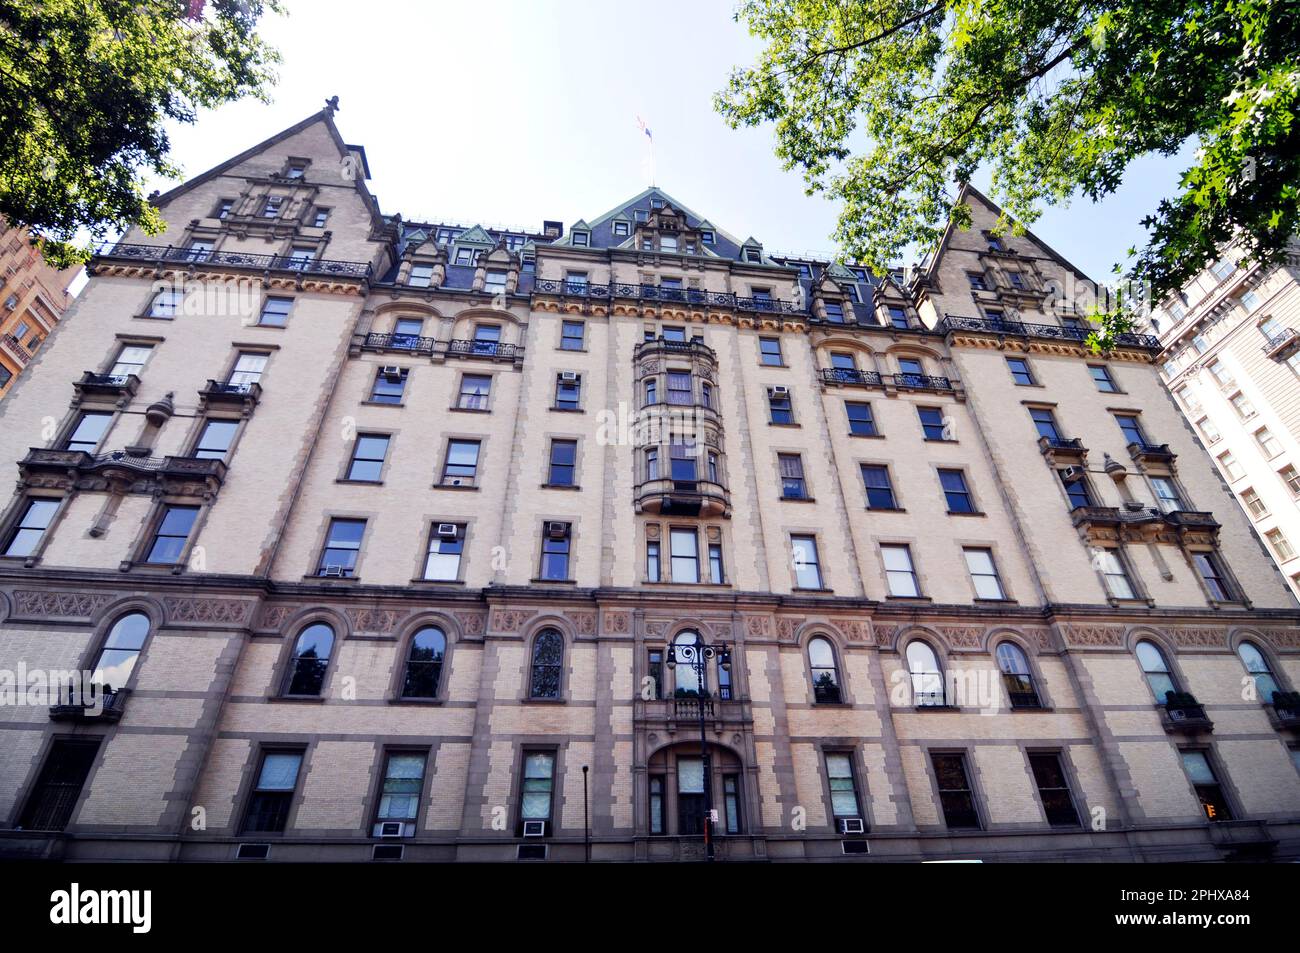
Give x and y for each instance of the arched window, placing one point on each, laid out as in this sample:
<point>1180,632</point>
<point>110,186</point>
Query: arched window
<point>927,677</point>
<point>1017,677</point>
<point>1257,666</point>
<point>1156,670</point>
<point>424,663</point>
<point>825,676</point>
<point>548,660</point>
<point>121,651</point>
<point>688,681</point>
<point>311,657</point>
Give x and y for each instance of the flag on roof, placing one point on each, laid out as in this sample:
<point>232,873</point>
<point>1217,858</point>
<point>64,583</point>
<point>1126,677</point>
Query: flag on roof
<point>644,128</point>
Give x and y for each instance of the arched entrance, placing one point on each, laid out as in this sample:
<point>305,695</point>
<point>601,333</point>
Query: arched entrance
<point>677,778</point>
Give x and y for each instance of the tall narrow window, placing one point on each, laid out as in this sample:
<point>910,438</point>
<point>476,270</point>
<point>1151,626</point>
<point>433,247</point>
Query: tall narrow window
<point>548,663</point>
<point>424,663</point>
<point>1207,564</point>
<point>1166,494</point>
<point>399,794</point>
<point>121,651</point>
<point>685,555</point>
<point>792,481</point>
<point>825,675</point>
<point>1156,670</point>
<point>1268,443</point>
<point>1102,378</point>
<point>173,530</point>
<point>1076,489</point>
<point>656,804</point>
<point>685,678</point>
<point>652,566</point>
<point>1207,786</point>
<point>955,794</point>
<point>927,677</point>
<point>731,802</point>
<point>844,791</point>
<point>956,492</point>
<point>1257,666</point>
<point>679,387</point>
<point>1281,545</point>
<point>568,391</point>
<point>555,551</point>
<point>88,432</point>
<point>899,571</point>
<point>572,336</point>
<point>690,796</point>
<point>58,788</point>
<point>716,574</point>
<point>248,370</point>
<point>779,407</point>
<point>1053,789</point>
<point>475,389</point>
<point>31,526</point>
<point>1016,677</point>
<point>215,439</point>
<point>1115,573</point>
<point>446,546</point>
<point>310,661</point>
<point>880,492</point>
<point>1045,423</point>
<point>368,455</point>
<point>461,465</point>
<point>342,545</point>
<point>861,421</point>
<point>564,456</point>
<point>807,569</point>
<point>1132,430</point>
<point>390,382</point>
<point>931,423</point>
<point>652,463</point>
<point>984,573</point>
<point>272,796</point>
<point>130,360</point>
<point>1020,372</point>
<point>275,312</point>
<point>770,352</point>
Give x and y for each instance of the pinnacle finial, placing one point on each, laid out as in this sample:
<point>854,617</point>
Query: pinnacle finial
<point>332,104</point>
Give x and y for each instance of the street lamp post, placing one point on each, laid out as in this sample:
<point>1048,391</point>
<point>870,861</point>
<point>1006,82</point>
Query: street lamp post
<point>698,655</point>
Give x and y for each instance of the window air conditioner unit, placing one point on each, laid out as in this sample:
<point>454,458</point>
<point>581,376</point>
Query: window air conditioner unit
<point>780,390</point>
<point>534,828</point>
<point>1176,714</point>
<point>334,572</point>
<point>390,829</point>
<point>557,530</point>
<point>391,371</point>
<point>851,825</point>
<point>568,375</point>
<point>454,481</point>
<point>447,530</point>
<point>1072,474</point>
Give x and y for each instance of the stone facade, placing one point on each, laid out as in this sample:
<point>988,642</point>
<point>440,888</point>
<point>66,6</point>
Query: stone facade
<point>33,296</point>
<point>537,459</point>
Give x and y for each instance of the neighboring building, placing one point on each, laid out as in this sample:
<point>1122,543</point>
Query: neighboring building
<point>33,296</point>
<point>1231,357</point>
<point>381,533</point>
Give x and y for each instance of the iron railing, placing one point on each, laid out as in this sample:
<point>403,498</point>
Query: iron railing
<point>234,259</point>
<point>1281,341</point>
<point>922,382</point>
<point>644,292</point>
<point>488,349</point>
<point>851,377</point>
<point>401,342</point>
<point>952,322</point>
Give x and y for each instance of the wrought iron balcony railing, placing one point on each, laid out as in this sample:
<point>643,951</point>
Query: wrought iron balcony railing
<point>105,705</point>
<point>234,259</point>
<point>922,382</point>
<point>113,385</point>
<point>1279,344</point>
<point>81,463</point>
<point>409,343</point>
<point>953,322</point>
<point>492,350</point>
<point>1060,443</point>
<point>1182,712</point>
<point>851,377</point>
<point>643,292</point>
<point>16,348</point>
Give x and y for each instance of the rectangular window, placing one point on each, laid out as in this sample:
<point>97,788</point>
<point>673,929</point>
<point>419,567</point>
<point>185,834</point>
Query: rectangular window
<point>1242,405</point>
<point>1166,494</point>
<point>976,281</point>
<point>861,421</point>
<point>652,463</point>
<point>342,544</point>
<point>466,256</point>
<point>685,554</point>
<point>575,282</point>
<point>622,229</point>
<point>166,303</point>
<point>494,282</point>
<point>652,567</point>
<point>173,530</point>
<point>446,546</point>
<point>1212,575</point>
<point>1223,268</point>
<point>668,243</point>
<point>779,407</point>
<point>272,207</point>
<point>406,333</point>
<point>1291,477</point>
<point>841,361</point>
<point>564,457</point>
<point>58,788</point>
<point>651,391</point>
<point>1208,430</point>
<point>568,391</point>
<point>898,318</point>
<point>198,250</point>
<point>1254,504</point>
<point>679,387</point>
<point>899,571</point>
<point>572,336</point>
<point>792,481</point>
<point>682,459</point>
<point>461,466</point>
<point>984,574</point>
<point>1268,443</point>
<point>1020,372</point>
<point>368,455</point>
<point>581,239</point>
<point>1116,575</point>
<point>1077,490</point>
<point>834,312</point>
<point>88,432</point>
<point>1231,468</point>
<point>272,795</point>
<point>731,802</point>
<point>475,389</point>
<point>844,791</point>
<point>1045,423</point>
<point>931,422</point>
<point>690,796</point>
<point>955,794</point>
<point>224,208</point>
<point>880,491</point>
<point>1206,784</point>
<point>214,441</point>
<point>1221,374</point>
<point>248,369</point>
<point>956,492</point>
<point>656,804</point>
<point>421,276</point>
<point>31,526</point>
<point>770,352</point>
<point>716,574</point>
<point>1132,430</point>
<point>1016,280</point>
<point>319,217</point>
<point>1281,545</point>
<point>389,385</point>
<point>275,312</point>
<point>807,569</point>
<point>1053,789</point>
<point>130,360</point>
<point>399,794</point>
<point>555,551</point>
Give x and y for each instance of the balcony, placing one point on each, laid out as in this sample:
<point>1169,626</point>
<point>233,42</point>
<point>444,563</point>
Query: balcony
<point>689,296</point>
<point>669,497</point>
<point>1285,710</point>
<point>951,323</point>
<point>15,347</point>
<point>120,387</point>
<point>1281,346</point>
<point>1097,516</point>
<point>405,343</point>
<point>1145,454</point>
<point>850,377</point>
<point>225,394</point>
<point>922,382</point>
<point>104,706</point>
<point>123,471</point>
<point>1182,714</point>
<point>664,347</point>
<point>159,255</point>
<point>1063,450</point>
<point>485,350</point>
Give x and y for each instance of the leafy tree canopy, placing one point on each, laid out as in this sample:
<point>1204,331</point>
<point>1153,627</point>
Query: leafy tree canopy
<point>886,103</point>
<point>86,88</point>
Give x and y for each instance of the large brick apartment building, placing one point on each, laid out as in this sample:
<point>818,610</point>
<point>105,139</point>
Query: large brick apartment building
<point>384,535</point>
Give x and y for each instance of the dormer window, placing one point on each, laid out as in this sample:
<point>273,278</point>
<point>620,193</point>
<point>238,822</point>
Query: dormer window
<point>668,243</point>
<point>224,208</point>
<point>421,276</point>
<point>834,311</point>
<point>296,170</point>
<point>582,239</point>
<point>466,256</point>
<point>754,255</point>
<point>707,237</point>
<point>622,229</point>
<point>805,270</point>
<point>445,235</point>
<point>514,242</point>
<point>529,266</point>
<point>641,215</point>
<point>656,203</point>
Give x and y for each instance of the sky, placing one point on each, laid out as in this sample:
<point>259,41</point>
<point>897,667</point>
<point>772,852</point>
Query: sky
<point>514,111</point>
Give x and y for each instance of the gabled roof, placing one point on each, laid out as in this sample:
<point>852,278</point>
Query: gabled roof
<point>474,236</point>
<point>620,210</point>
